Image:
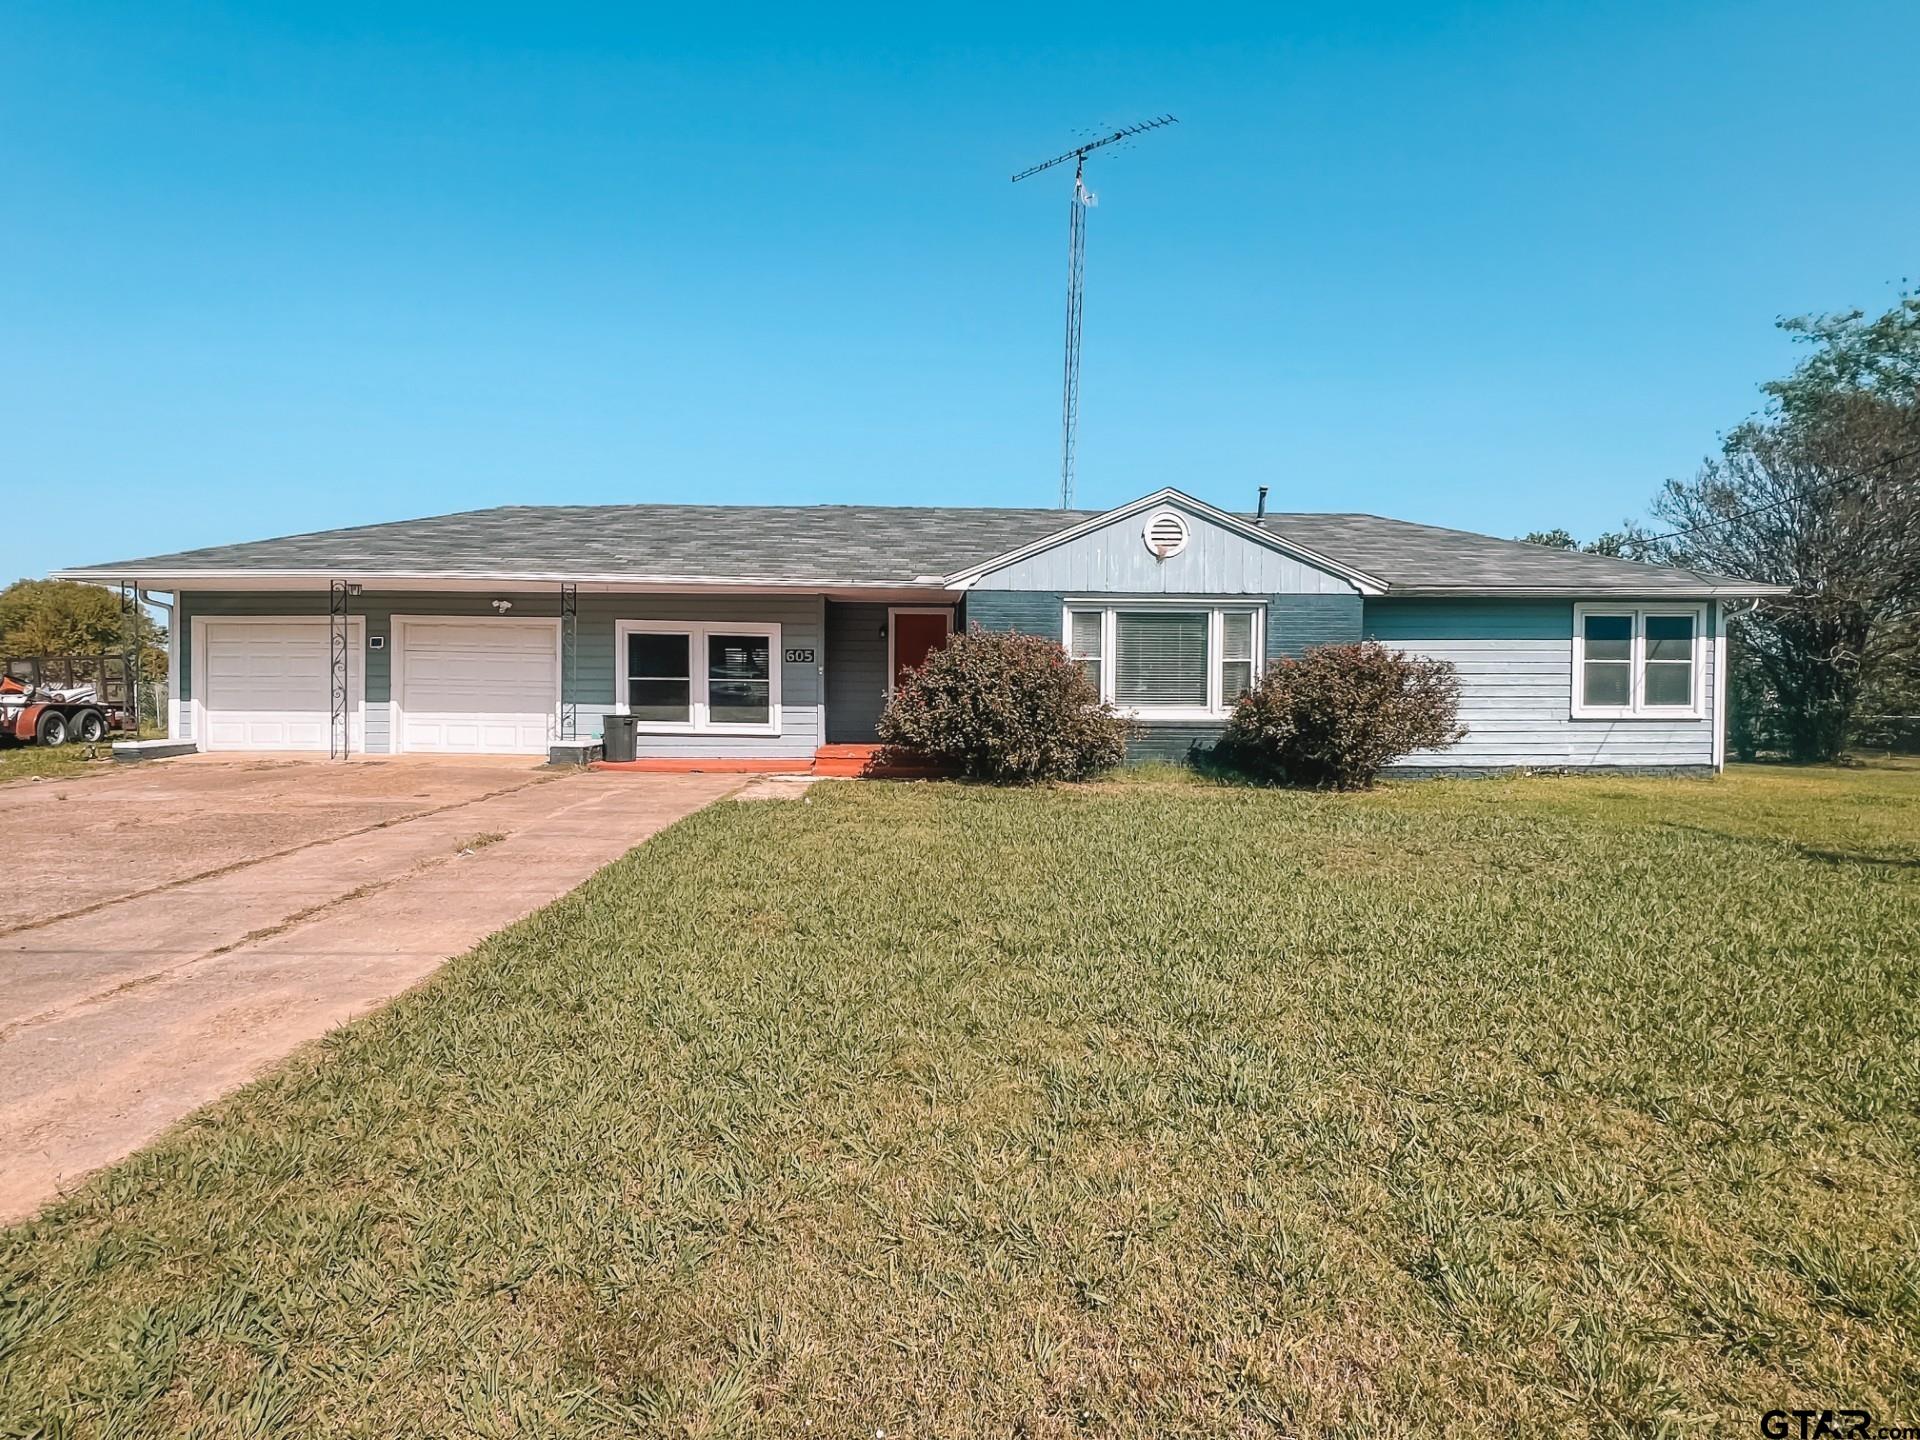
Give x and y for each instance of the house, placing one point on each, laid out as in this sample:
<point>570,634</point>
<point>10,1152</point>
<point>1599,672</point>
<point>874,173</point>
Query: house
<point>761,633</point>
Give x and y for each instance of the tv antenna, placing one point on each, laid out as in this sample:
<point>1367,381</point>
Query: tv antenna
<point>1083,198</point>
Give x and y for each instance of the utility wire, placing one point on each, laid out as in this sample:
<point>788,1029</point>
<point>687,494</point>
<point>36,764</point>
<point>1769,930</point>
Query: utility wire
<point>1887,464</point>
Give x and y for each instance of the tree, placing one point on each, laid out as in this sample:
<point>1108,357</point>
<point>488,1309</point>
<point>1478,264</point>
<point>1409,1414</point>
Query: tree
<point>1821,493</point>
<point>1552,539</point>
<point>1626,543</point>
<point>64,617</point>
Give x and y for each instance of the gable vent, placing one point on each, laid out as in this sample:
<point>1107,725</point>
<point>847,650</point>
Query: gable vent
<point>1166,534</point>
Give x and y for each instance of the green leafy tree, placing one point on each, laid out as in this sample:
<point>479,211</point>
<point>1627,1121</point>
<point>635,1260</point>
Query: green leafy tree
<point>1552,539</point>
<point>1626,543</point>
<point>64,617</point>
<point>1820,492</point>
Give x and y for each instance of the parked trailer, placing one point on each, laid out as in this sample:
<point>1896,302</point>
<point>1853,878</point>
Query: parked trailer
<point>37,715</point>
<point>52,699</point>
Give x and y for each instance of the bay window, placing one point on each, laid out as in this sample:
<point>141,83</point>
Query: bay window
<point>1639,661</point>
<point>683,675</point>
<point>1169,661</point>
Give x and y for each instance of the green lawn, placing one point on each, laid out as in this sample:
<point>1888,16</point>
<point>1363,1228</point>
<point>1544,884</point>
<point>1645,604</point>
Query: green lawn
<point>62,762</point>
<point>1525,1107</point>
<point>20,762</point>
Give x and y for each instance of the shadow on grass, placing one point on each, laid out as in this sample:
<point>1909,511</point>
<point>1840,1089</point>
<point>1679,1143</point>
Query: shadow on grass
<point>1849,857</point>
<point>1805,852</point>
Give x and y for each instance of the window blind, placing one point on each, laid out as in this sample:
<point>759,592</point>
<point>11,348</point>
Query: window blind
<point>1160,658</point>
<point>1083,643</point>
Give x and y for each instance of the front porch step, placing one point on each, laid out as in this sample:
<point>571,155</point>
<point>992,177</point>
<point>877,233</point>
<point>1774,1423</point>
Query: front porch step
<point>839,762</point>
<point>851,762</point>
<point>845,762</point>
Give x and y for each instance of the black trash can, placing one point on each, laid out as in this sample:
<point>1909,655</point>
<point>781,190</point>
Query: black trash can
<point>618,740</point>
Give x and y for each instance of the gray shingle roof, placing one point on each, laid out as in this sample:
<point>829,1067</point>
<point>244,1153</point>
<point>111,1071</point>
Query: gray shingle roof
<point>1428,557</point>
<point>859,545</point>
<point>824,544</point>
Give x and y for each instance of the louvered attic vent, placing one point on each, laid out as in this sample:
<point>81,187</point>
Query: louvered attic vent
<point>1166,534</point>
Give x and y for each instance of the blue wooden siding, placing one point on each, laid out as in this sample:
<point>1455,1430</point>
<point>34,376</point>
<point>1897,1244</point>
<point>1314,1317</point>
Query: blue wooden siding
<point>1514,659</point>
<point>592,685</point>
<point>1515,663</point>
<point>1031,612</point>
<point>1295,622</point>
<point>1176,742</point>
<point>1114,559</point>
<point>856,671</point>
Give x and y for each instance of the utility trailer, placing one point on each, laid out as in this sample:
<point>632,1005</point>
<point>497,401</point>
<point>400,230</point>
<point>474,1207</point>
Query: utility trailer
<point>53,699</point>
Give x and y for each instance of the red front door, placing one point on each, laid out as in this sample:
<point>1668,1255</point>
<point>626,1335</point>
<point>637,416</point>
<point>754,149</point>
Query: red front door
<point>917,636</point>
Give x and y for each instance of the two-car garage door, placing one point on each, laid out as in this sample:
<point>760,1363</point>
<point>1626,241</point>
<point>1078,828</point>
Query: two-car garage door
<point>459,686</point>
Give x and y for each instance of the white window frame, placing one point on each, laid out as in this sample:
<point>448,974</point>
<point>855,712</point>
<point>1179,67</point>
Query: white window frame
<point>1218,707</point>
<point>1636,707</point>
<point>697,632</point>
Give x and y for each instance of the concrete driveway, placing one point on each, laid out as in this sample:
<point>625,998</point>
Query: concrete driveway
<point>168,932</point>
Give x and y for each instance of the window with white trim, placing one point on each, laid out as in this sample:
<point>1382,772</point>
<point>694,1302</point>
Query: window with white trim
<point>1085,629</point>
<point>1236,654</point>
<point>1167,662</point>
<point>1639,661</point>
<point>700,677</point>
<point>660,676</point>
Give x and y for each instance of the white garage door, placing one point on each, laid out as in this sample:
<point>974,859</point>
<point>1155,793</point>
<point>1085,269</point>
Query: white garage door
<point>481,687</point>
<point>264,685</point>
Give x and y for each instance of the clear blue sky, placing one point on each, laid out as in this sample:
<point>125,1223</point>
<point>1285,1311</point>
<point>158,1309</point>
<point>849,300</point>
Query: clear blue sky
<point>278,267</point>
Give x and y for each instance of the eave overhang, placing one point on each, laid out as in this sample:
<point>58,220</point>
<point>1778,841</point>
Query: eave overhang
<point>1733,590</point>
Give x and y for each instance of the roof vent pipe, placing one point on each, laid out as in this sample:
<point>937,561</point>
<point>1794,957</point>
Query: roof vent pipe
<point>1260,512</point>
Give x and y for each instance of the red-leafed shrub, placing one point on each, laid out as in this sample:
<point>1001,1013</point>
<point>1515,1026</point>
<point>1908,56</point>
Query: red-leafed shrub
<point>1005,707</point>
<point>1338,715</point>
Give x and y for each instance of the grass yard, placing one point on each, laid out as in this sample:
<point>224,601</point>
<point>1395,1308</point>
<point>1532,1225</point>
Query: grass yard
<point>24,762</point>
<point>1524,1108</point>
<point>63,762</point>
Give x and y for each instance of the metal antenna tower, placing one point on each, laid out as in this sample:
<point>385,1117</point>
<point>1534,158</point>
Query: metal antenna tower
<point>1083,199</point>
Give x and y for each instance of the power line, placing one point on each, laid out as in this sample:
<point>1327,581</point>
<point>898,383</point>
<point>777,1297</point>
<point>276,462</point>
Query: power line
<point>1886,464</point>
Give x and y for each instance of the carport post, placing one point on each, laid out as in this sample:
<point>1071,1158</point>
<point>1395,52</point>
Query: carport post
<point>130,614</point>
<point>569,646</point>
<point>339,667</point>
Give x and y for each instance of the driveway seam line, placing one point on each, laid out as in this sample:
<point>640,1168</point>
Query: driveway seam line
<point>268,932</point>
<point>251,861</point>
<point>301,917</point>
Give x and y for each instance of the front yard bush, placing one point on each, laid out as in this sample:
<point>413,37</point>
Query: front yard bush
<point>1004,707</point>
<point>1334,718</point>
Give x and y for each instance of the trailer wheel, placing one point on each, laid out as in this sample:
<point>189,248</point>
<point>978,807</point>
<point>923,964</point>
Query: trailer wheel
<point>89,727</point>
<point>52,729</point>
